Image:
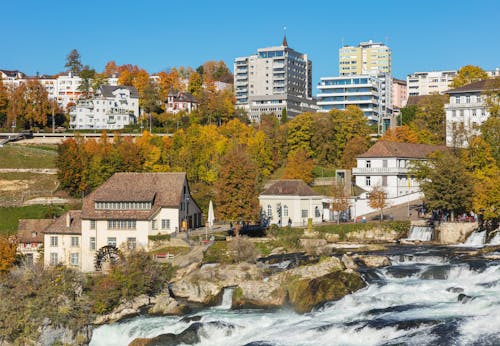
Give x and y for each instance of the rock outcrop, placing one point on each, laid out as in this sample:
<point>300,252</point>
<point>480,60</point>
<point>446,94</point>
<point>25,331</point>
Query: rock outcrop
<point>373,261</point>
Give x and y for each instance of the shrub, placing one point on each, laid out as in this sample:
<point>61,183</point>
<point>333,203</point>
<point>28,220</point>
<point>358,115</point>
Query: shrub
<point>343,229</point>
<point>241,249</point>
<point>159,237</point>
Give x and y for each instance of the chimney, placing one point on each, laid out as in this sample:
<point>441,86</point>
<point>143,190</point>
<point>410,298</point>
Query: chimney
<point>68,220</point>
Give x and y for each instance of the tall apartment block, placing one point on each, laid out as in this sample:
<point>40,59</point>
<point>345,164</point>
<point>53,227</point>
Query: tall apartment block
<point>275,80</point>
<point>367,58</point>
<point>426,83</point>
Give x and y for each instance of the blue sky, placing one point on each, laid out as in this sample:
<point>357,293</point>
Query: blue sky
<point>423,35</point>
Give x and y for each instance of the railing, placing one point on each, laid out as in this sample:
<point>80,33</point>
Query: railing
<point>380,170</point>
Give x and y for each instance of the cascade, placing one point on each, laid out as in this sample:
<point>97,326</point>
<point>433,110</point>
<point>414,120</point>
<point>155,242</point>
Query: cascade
<point>421,233</point>
<point>476,239</point>
<point>496,239</point>
<point>227,299</point>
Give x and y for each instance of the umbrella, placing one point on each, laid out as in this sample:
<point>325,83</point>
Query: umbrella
<point>211,217</point>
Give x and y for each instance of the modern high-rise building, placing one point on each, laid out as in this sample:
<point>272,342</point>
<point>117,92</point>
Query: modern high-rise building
<point>275,80</point>
<point>399,94</point>
<point>367,58</point>
<point>426,83</point>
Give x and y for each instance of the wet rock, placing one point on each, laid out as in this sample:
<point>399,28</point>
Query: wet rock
<point>166,305</point>
<point>374,261</point>
<point>397,308</point>
<point>259,294</point>
<point>349,262</point>
<point>455,289</point>
<point>259,343</point>
<point>436,273</point>
<point>380,323</point>
<point>464,298</point>
<point>371,275</point>
<point>402,271</point>
<point>189,319</point>
<point>124,310</point>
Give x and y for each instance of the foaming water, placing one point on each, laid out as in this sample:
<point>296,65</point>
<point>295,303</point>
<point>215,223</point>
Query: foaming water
<point>421,233</point>
<point>476,239</point>
<point>496,239</point>
<point>414,302</point>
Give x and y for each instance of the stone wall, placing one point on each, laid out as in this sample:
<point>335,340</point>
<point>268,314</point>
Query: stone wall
<point>454,232</point>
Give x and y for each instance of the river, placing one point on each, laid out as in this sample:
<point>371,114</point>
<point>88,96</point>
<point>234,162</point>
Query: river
<point>415,301</point>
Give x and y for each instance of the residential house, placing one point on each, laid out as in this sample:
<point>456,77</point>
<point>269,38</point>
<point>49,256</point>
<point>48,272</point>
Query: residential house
<point>62,241</point>
<point>178,101</point>
<point>30,238</point>
<point>291,201</point>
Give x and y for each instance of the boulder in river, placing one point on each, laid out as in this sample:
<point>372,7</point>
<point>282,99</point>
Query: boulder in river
<point>464,298</point>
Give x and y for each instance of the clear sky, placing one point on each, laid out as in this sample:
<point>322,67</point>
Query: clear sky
<point>424,35</point>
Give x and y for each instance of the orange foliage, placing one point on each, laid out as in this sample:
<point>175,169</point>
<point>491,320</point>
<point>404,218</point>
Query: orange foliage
<point>299,166</point>
<point>7,253</point>
<point>401,134</point>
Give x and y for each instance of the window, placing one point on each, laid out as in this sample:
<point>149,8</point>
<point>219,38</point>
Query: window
<point>457,100</point>
<point>165,224</point>
<point>305,213</point>
<point>316,212</point>
<point>131,243</point>
<point>467,99</point>
<point>74,242</point>
<point>384,180</point>
<point>92,224</point>
<point>368,181</point>
<point>92,244</point>
<point>74,259</point>
<point>368,163</point>
<point>53,259</point>
<point>384,163</point>
<point>121,224</point>
<point>269,210</point>
<point>154,225</point>
<point>285,210</point>
<point>112,241</point>
<point>53,241</point>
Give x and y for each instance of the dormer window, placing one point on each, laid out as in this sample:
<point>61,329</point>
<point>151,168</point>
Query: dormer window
<point>123,205</point>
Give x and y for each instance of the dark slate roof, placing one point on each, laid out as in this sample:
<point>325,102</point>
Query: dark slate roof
<point>182,96</point>
<point>162,189</point>
<point>403,150</point>
<point>12,73</point>
<point>289,187</point>
<point>59,226</point>
<point>107,90</point>
<point>473,87</point>
<point>31,230</point>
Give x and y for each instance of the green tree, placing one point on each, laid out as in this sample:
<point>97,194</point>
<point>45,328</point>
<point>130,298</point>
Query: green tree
<point>446,184</point>
<point>87,75</point>
<point>468,74</point>
<point>236,197</point>
<point>429,121</point>
<point>490,131</point>
<point>492,96</point>
<point>300,133</point>
<point>4,104</point>
<point>73,62</point>
<point>195,84</point>
<point>408,114</point>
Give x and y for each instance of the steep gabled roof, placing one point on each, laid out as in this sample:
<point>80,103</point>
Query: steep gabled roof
<point>162,189</point>
<point>13,73</point>
<point>480,86</point>
<point>60,225</point>
<point>107,90</point>
<point>289,187</point>
<point>403,150</point>
<point>31,230</point>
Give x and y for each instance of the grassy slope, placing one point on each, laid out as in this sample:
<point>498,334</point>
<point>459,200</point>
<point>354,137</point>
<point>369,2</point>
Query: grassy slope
<point>9,217</point>
<point>18,156</point>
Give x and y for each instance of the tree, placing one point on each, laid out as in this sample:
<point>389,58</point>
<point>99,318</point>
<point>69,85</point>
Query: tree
<point>300,133</point>
<point>29,105</point>
<point>4,104</point>
<point>111,69</point>
<point>445,183</point>
<point>340,200</point>
<point>492,96</point>
<point>8,249</point>
<point>73,62</point>
<point>468,74</point>
<point>354,147</point>
<point>377,200</point>
<point>299,166</point>
<point>408,114</point>
<point>429,122</point>
<point>401,134</point>
<point>236,197</point>
<point>195,84</point>
<point>490,131</point>
<point>87,75</point>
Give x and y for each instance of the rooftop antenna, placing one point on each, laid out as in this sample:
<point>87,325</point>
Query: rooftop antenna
<point>285,43</point>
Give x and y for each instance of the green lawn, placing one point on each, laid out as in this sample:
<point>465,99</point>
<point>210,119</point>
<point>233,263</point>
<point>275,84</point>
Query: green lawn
<point>19,156</point>
<point>9,217</point>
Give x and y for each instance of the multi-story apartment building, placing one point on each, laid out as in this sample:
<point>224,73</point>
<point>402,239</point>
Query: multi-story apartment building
<point>275,80</point>
<point>370,93</point>
<point>433,82</point>
<point>399,94</point>
<point>367,58</point>
<point>112,107</point>
<point>120,215</point>
<point>466,111</point>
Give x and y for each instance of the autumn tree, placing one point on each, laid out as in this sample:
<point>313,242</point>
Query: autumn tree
<point>300,133</point>
<point>446,184</point>
<point>111,69</point>
<point>377,199</point>
<point>492,96</point>
<point>4,103</point>
<point>340,199</point>
<point>468,74</point>
<point>490,131</point>
<point>215,106</point>
<point>8,249</point>
<point>169,81</point>
<point>195,84</point>
<point>217,71</point>
<point>236,197</point>
<point>29,104</point>
<point>408,114</point>
<point>354,147</point>
<point>401,134</point>
<point>429,121</point>
<point>73,62</point>
<point>299,166</point>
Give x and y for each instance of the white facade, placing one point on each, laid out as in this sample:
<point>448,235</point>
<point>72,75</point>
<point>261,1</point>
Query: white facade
<point>426,83</point>
<point>62,249</point>
<point>113,107</point>
<point>370,57</point>
<point>279,209</point>
<point>274,79</point>
<point>370,93</point>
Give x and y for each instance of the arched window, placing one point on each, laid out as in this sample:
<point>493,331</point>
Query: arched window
<point>316,212</point>
<point>269,211</point>
<point>285,210</point>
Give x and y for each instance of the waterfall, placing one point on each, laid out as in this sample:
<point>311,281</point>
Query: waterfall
<point>476,239</point>
<point>227,299</point>
<point>496,239</point>
<point>421,233</point>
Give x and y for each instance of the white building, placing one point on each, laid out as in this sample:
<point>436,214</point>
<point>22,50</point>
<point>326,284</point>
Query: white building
<point>291,201</point>
<point>426,83</point>
<point>62,241</point>
<point>373,94</point>
<point>466,111</point>
<point>388,165</point>
<point>274,80</point>
<point>112,107</point>
<point>178,101</point>
<point>370,57</point>
<point>30,238</point>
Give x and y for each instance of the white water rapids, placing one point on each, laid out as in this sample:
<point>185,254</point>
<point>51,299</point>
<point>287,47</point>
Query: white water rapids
<point>421,233</point>
<point>412,302</point>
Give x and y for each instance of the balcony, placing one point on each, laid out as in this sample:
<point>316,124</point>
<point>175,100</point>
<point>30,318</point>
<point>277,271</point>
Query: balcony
<point>380,171</point>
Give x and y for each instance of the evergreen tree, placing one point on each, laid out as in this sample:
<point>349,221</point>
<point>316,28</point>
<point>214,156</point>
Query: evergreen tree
<point>73,62</point>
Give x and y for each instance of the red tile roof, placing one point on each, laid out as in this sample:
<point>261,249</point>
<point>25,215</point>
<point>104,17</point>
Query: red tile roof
<point>60,225</point>
<point>403,150</point>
